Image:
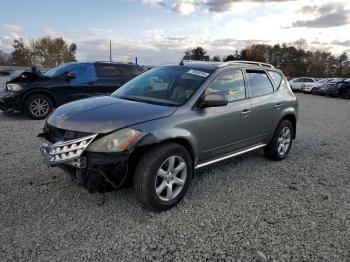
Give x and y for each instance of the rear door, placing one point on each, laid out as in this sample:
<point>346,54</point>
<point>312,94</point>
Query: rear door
<point>266,104</point>
<point>222,130</point>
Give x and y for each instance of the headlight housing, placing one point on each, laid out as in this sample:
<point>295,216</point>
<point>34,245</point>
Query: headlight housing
<point>115,142</point>
<point>13,87</point>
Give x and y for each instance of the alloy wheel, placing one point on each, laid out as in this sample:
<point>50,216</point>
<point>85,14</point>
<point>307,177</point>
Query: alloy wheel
<point>171,178</point>
<point>284,139</point>
<point>39,107</point>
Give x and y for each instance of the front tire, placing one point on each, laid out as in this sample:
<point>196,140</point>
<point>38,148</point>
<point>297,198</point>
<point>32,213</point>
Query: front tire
<point>281,143</point>
<point>163,175</point>
<point>38,106</point>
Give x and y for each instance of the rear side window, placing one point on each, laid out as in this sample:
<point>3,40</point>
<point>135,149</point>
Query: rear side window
<point>259,83</point>
<point>109,71</point>
<point>276,78</point>
<point>229,83</point>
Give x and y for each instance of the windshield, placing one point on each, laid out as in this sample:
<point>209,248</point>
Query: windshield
<point>171,85</point>
<point>57,71</point>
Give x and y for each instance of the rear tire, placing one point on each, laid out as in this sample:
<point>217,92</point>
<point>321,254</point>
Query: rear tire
<point>163,175</point>
<point>281,143</point>
<point>38,106</point>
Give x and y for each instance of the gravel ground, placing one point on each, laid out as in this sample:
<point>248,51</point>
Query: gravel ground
<point>247,208</point>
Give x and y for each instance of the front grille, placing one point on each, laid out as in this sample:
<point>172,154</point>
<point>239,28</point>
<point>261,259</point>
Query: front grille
<point>54,134</point>
<point>60,152</point>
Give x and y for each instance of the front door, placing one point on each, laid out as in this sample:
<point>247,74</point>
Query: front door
<point>223,130</point>
<point>83,85</point>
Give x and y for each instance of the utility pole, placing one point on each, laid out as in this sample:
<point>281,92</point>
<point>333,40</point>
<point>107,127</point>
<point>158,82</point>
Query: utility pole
<point>110,50</point>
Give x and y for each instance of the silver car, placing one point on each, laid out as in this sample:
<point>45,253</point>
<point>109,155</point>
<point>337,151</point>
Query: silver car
<point>157,129</point>
<point>297,83</point>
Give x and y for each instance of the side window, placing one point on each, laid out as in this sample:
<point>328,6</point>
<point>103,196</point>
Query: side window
<point>109,71</point>
<point>259,83</point>
<point>308,80</point>
<point>298,80</point>
<point>276,78</point>
<point>135,71</point>
<point>84,73</point>
<point>230,83</point>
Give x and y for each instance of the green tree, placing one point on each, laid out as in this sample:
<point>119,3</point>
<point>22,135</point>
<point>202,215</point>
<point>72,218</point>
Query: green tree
<point>216,58</point>
<point>48,52</point>
<point>21,56</point>
<point>43,52</point>
<point>198,54</point>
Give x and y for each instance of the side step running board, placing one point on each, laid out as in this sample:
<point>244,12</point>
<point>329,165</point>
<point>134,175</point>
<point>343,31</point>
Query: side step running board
<point>229,156</point>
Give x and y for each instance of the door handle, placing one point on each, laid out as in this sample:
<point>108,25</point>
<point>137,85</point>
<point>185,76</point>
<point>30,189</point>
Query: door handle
<point>245,112</point>
<point>277,106</point>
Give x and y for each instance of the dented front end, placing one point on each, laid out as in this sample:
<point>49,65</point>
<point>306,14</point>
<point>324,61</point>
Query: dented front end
<point>95,171</point>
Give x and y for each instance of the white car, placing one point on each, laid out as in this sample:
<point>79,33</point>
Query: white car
<point>297,83</point>
<point>307,88</point>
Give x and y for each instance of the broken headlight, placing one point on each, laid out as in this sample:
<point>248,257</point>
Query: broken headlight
<point>115,142</point>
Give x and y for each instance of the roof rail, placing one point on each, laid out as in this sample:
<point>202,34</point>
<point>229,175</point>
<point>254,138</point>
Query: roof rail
<point>247,63</point>
<point>200,62</point>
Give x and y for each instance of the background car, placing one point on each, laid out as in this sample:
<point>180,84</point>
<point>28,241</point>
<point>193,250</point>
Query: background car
<point>338,88</point>
<point>320,89</point>
<point>307,88</point>
<point>331,85</point>
<point>36,94</point>
<point>297,83</point>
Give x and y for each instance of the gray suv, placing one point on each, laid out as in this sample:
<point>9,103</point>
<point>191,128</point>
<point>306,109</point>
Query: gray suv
<point>154,131</point>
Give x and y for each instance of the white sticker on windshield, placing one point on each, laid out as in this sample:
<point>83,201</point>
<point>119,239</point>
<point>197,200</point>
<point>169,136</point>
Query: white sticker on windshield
<point>198,73</point>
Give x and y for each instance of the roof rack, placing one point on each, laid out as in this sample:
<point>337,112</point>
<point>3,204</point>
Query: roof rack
<point>199,62</point>
<point>246,63</point>
<point>221,64</point>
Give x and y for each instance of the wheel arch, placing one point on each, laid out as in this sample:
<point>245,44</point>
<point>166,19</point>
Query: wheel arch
<point>292,118</point>
<point>41,92</point>
<point>152,140</point>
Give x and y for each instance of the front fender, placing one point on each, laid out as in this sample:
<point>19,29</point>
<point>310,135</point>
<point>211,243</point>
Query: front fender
<point>171,134</point>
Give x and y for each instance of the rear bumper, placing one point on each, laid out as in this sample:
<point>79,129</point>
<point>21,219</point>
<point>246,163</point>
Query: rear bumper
<point>10,101</point>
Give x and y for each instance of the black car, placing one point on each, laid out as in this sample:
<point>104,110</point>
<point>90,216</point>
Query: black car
<point>339,89</point>
<point>36,94</point>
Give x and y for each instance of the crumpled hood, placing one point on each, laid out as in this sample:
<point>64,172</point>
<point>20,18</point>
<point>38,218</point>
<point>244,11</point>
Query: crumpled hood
<point>104,114</point>
<point>24,76</point>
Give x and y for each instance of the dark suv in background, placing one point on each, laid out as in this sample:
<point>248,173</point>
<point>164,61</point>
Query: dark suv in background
<point>155,130</point>
<point>37,94</point>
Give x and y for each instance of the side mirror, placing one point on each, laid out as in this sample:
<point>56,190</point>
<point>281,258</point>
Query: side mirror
<point>213,100</point>
<point>70,76</point>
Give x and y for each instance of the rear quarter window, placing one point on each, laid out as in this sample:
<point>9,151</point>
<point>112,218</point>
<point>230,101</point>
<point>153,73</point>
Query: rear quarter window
<point>276,78</point>
<point>116,71</point>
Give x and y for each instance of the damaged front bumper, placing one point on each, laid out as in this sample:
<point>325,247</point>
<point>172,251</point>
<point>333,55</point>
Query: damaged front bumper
<point>68,152</point>
<point>95,171</point>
